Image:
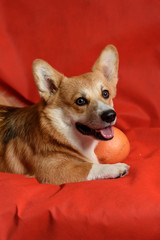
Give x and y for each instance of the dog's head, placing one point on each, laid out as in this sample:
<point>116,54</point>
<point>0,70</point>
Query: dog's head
<point>82,102</point>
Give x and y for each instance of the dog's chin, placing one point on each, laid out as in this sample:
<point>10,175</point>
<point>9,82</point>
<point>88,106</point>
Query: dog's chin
<point>104,134</point>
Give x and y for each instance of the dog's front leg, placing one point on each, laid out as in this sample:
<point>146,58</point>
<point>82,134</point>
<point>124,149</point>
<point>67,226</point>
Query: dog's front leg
<point>66,171</point>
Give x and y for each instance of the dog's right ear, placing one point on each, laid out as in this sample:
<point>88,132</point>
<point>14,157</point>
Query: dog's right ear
<point>46,78</point>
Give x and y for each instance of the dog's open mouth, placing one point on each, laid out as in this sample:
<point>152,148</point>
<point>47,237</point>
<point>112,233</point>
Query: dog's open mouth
<point>100,134</point>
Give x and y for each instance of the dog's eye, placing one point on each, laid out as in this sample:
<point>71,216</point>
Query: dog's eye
<point>81,101</point>
<point>105,93</point>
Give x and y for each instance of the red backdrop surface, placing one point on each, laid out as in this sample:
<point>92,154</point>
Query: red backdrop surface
<point>70,35</point>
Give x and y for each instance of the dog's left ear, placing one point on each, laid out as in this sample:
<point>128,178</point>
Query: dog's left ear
<point>46,78</point>
<point>107,63</point>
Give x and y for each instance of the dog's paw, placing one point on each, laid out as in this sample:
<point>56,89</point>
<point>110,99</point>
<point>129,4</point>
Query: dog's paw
<point>104,171</point>
<point>119,170</point>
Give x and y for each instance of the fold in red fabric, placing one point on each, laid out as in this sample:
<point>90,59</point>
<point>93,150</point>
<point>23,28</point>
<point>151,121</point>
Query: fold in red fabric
<point>70,35</point>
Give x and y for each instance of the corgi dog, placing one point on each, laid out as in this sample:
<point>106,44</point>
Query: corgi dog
<point>54,140</point>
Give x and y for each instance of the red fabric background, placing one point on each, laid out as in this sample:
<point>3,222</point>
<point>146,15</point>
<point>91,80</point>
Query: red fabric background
<point>70,35</point>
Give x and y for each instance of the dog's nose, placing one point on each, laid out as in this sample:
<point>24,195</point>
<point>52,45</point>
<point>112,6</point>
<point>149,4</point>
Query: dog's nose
<point>108,116</point>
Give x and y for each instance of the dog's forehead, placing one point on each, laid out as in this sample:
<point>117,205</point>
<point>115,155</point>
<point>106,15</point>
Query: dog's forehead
<point>88,81</point>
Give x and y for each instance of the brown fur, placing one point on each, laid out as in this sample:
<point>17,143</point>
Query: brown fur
<point>28,146</point>
<point>32,145</point>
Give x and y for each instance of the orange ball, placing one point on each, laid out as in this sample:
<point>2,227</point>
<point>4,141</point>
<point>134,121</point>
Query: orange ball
<point>114,150</point>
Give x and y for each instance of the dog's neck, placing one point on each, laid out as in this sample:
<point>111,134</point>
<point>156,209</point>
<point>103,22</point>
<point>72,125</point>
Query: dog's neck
<point>84,144</point>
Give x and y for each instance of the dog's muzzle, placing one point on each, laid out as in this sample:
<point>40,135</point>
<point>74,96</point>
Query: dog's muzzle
<point>104,134</point>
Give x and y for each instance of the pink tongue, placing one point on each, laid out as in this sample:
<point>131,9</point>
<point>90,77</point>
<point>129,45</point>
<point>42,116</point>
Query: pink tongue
<point>107,132</point>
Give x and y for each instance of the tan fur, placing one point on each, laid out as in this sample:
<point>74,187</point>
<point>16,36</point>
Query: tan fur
<point>9,101</point>
<point>33,143</point>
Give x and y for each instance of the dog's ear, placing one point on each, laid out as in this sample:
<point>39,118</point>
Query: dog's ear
<point>107,63</point>
<point>46,78</point>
